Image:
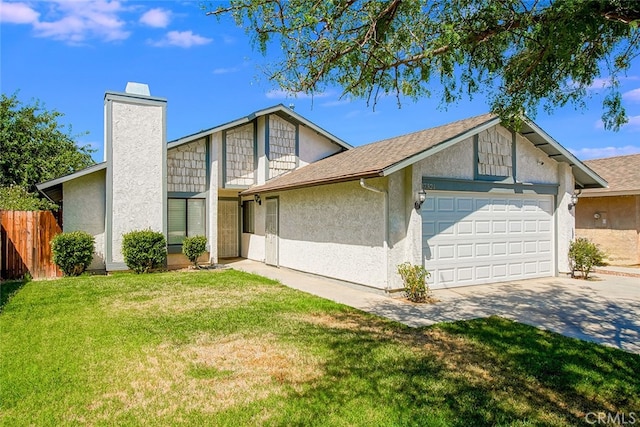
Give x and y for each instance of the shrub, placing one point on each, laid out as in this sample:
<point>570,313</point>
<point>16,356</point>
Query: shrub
<point>144,250</point>
<point>415,281</point>
<point>193,247</point>
<point>583,256</point>
<point>16,198</point>
<point>72,251</point>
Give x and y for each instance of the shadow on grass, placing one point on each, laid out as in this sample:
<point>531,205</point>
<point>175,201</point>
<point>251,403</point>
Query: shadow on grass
<point>8,289</point>
<point>483,372</point>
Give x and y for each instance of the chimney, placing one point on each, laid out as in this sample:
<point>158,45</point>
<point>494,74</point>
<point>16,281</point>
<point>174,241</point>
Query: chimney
<point>136,155</point>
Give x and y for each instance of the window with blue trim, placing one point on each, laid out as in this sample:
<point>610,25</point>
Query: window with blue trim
<point>185,218</point>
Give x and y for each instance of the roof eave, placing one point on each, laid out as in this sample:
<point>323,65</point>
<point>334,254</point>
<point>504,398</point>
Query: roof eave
<point>608,193</point>
<point>247,119</point>
<point>86,171</point>
<point>312,183</point>
<point>585,177</point>
<point>439,147</point>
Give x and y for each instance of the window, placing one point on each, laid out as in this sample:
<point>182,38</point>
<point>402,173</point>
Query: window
<point>247,216</point>
<point>186,218</point>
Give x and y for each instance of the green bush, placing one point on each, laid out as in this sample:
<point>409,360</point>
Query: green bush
<point>583,256</point>
<point>415,281</point>
<point>72,252</point>
<point>193,247</point>
<point>144,250</point>
<point>16,198</point>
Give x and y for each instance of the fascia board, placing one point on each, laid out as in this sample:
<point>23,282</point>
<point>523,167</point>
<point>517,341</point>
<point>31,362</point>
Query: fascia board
<point>566,153</point>
<point>70,177</point>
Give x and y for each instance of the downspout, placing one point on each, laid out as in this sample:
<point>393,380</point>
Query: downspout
<point>385,243</point>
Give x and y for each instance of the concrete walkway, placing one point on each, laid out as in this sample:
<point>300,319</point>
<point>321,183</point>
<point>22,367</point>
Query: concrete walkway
<point>605,310</point>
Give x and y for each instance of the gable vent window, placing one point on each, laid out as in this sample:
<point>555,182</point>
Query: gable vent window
<point>186,218</point>
<point>248,225</point>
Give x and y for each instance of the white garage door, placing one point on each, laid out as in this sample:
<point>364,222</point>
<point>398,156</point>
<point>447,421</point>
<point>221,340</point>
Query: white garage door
<point>476,238</point>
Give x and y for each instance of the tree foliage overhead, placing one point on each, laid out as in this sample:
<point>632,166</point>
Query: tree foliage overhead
<point>519,52</point>
<point>34,147</point>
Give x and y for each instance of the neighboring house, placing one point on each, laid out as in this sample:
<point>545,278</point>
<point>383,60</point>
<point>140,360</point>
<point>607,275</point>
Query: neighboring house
<point>472,201</point>
<point>610,216</point>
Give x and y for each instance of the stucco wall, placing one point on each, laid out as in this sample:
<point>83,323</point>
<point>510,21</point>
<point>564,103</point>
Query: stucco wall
<point>84,201</point>
<point>565,220</point>
<point>533,165</point>
<point>138,180</point>
<point>215,180</point>
<point>336,231</point>
<point>616,231</point>
<point>314,147</point>
<point>453,162</point>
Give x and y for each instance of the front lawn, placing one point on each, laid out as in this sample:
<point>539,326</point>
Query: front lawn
<point>228,348</point>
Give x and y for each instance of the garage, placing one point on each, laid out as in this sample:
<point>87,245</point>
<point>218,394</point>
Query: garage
<point>475,238</point>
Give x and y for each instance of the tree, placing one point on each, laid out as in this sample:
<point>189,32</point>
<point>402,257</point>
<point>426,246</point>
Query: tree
<point>34,147</point>
<point>521,53</point>
<point>16,198</point>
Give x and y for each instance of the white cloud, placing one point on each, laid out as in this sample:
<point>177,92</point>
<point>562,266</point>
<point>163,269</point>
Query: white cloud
<point>73,22</point>
<point>634,124</point>
<point>600,83</point>
<point>602,152</point>
<point>184,39</point>
<point>632,95</point>
<point>17,13</point>
<point>158,18</point>
<point>225,70</point>
<point>283,94</point>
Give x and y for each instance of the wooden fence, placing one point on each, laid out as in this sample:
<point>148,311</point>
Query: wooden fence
<point>25,248</point>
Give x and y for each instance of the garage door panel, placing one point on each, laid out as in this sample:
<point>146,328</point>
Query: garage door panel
<point>470,238</point>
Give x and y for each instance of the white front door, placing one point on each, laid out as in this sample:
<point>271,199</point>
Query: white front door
<point>475,238</point>
<point>271,232</point>
<point>228,236</point>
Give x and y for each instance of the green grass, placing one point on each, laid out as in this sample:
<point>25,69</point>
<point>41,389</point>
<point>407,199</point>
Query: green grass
<point>228,348</point>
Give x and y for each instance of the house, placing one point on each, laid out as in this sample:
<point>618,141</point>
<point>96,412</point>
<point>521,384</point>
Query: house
<point>471,200</point>
<point>610,216</point>
<point>185,187</point>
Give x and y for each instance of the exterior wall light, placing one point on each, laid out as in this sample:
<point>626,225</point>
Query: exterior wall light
<point>574,200</point>
<point>257,199</point>
<point>421,196</point>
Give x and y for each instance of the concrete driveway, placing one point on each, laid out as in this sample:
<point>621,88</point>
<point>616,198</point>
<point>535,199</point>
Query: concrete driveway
<point>605,310</point>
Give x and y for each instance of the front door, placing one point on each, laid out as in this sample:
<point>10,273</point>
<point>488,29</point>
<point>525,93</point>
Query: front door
<point>271,232</point>
<point>228,236</point>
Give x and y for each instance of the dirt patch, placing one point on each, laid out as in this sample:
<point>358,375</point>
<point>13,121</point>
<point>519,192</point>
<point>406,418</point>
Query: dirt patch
<point>168,300</point>
<point>208,375</point>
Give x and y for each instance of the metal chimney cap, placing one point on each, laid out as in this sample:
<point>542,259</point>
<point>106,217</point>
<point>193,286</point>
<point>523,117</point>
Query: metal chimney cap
<point>138,89</point>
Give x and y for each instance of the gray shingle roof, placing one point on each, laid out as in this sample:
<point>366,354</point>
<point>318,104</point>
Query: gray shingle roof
<point>622,173</point>
<point>370,160</point>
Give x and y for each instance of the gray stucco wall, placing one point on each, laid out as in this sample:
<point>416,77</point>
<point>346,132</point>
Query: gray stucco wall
<point>336,231</point>
<point>565,218</point>
<point>84,210</point>
<point>136,179</point>
<point>314,147</point>
<point>533,165</point>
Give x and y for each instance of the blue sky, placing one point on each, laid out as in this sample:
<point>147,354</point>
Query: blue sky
<point>68,53</point>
